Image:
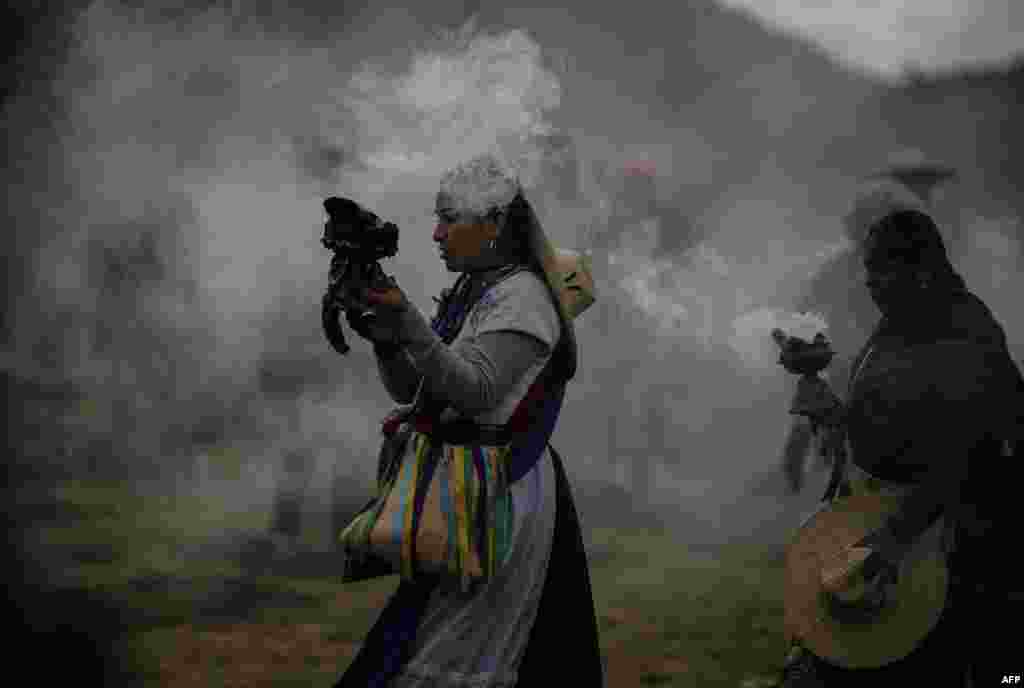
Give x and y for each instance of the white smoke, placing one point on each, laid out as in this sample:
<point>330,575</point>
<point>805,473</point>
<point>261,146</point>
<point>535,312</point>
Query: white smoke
<point>695,297</point>
<point>751,339</point>
<point>218,141</point>
<point>212,113</point>
<point>490,94</point>
<point>991,265</point>
<point>223,137</point>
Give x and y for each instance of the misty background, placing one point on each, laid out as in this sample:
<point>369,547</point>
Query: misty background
<point>167,162</point>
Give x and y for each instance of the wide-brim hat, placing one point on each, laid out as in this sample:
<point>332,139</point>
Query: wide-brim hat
<point>915,170</point>
<point>904,182</point>
<point>899,626</point>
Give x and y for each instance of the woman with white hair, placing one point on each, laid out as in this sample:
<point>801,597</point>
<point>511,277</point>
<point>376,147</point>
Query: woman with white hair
<point>505,324</point>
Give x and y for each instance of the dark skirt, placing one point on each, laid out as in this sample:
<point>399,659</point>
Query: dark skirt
<point>991,604</point>
<point>565,632</point>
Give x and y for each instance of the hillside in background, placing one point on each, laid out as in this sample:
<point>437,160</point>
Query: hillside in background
<point>756,137</point>
<point>974,116</point>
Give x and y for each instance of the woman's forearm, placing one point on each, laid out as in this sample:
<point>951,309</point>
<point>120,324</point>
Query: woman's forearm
<point>473,376</point>
<point>397,372</point>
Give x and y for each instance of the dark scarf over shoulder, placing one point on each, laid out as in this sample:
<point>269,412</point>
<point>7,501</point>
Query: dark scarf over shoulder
<point>944,308</point>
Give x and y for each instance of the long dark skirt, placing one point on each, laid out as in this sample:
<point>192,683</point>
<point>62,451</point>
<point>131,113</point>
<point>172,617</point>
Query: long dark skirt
<point>564,633</point>
<point>992,617</point>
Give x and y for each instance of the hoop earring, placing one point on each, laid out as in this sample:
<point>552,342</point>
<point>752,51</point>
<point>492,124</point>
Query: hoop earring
<point>492,244</point>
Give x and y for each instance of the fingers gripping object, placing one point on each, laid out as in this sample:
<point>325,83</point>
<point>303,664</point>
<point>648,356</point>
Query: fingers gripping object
<point>807,359</point>
<point>859,584</point>
<point>359,240</point>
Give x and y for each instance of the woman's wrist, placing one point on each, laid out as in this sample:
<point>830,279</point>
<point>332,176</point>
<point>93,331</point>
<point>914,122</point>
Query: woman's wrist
<point>417,336</point>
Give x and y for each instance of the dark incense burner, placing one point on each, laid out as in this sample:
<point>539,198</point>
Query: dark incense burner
<point>802,357</point>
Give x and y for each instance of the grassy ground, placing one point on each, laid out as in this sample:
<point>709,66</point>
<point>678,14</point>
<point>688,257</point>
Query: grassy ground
<point>668,616</point>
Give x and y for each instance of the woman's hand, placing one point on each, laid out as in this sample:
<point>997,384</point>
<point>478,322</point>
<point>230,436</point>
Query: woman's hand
<point>391,298</point>
<point>863,579</point>
<point>889,550</point>
<point>387,303</point>
<point>880,568</point>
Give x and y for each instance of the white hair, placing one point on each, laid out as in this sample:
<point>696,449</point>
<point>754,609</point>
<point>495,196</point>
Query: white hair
<point>480,185</point>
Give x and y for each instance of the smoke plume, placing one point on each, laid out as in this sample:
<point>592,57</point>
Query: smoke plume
<point>167,175</point>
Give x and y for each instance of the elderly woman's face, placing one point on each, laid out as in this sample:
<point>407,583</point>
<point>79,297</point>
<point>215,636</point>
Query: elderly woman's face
<point>893,285</point>
<point>462,237</point>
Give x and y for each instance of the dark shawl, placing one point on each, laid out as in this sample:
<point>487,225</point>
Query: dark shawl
<point>936,403</point>
<point>939,396</point>
<point>931,406</point>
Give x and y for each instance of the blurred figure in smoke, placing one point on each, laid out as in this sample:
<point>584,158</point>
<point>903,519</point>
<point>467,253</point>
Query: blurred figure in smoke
<point>618,212</point>
<point>559,168</point>
<point>292,367</point>
<point>638,231</point>
<point>637,215</point>
<point>834,292</point>
<point>637,224</point>
<point>558,191</point>
<point>286,524</point>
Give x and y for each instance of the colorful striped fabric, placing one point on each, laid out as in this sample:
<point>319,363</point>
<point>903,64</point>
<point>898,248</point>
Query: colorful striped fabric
<point>447,510</point>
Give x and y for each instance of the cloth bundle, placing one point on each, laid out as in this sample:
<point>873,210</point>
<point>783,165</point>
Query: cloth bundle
<point>445,510</point>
